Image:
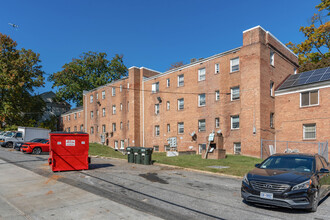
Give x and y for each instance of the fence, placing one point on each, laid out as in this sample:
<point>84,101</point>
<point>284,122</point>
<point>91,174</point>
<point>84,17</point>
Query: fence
<point>269,147</point>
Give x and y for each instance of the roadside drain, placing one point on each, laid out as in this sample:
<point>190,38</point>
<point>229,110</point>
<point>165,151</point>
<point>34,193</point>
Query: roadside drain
<point>153,177</point>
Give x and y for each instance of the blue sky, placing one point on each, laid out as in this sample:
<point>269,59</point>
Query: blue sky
<point>149,33</point>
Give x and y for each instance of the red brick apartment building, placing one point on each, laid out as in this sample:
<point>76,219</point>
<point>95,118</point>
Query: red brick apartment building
<point>233,91</point>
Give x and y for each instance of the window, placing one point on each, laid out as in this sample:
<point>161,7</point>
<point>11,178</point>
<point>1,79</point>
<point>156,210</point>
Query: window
<point>237,148</point>
<point>97,112</point>
<point>168,83</point>
<point>201,147</point>
<point>91,99</point>
<point>116,145</point>
<point>272,56</point>
<point>103,128</point>
<point>69,117</point>
<point>271,88</point>
<point>75,128</point>
<point>156,130</point>
<point>92,130</point>
<point>295,70</point>
<point>234,64</point>
<point>97,129</point>
<point>272,120</point>
<point>180,128</point>
<point>121,106</point>
<point>201,100</point>
<point>156,148</point>
<point>127,125</point>
<point>309,98</point>
<point>234,93</point>
<point>309,131</point>
<point>180,80</point>
<point>180,104</point>
<point>217,95</point>
<point>103,112</point>
<point>103,94</point>
<point>127,86</point>
<point>168,105</point>
<point>114,127</point>
<point>92,114</point>
<point>235,122</point>
<point>113,91</point>
<point>127,106</point>
<point>201,74</point>
<point>121,88</point>
<point>121,125</point>
<point>168,127</point>
<point>167,148</point>
<point>81,127</point>
<point>201,125</point>
<point>114,109</point>
<point>217,122</point>
<point>97,96</point>
<point>217,68</point>
<point>122,144</point>
<point>75,116</point>
<point>79,114</point>
<point>156,109</point>
<point>68,129</point>
<point>155,87</point>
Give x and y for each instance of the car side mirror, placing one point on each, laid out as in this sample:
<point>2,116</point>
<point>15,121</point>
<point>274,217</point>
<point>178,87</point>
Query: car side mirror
<point>257,165</point>
<point>324,170</point>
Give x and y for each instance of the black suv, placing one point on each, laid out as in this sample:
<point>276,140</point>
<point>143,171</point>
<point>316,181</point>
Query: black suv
<point>288,180</point>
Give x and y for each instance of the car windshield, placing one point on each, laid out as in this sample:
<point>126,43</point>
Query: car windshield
<point>289,163</point>
<point>9,134</point>
<point>44,141</point>
<point>37,140</point>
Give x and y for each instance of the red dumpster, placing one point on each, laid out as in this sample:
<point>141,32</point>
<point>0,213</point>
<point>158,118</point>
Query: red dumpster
<point>68,151</point>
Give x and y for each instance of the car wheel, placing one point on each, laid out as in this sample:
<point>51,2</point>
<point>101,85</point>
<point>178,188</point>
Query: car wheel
<point>10,145</point>
<point>36,150</point>
<point>315,202</point>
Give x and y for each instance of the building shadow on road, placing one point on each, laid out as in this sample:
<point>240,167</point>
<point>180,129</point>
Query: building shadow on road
<point>99,166</point>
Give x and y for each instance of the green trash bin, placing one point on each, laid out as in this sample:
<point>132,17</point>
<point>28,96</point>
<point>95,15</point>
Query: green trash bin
<point>137,154</point>
<point>146,155</point>
<point>130,155</point>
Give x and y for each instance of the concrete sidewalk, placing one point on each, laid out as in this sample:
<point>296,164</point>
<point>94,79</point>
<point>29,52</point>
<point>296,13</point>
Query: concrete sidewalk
<point>26,195</point>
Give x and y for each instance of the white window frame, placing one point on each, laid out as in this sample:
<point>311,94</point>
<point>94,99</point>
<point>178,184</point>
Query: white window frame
<point>155,87</point>
<point>309,98</point>
<point>217,95</point>
<point>97,96</point>
<point>114,127</point>
<point>168,82</point>
<point>92,130</point>
<point>168,107</point>
<point>231,122</point>
<point>180,104</point>
<point>232,62</point>
<point>113,91</point>
<point>180,127</point>
<point>271,87</point>
<point>157,131</point>
<point>202,74</point>
<point>216,68</point>
<point>168,128</point>
<point>121,88</point>
<point>200,148</point>
<point>217,122</point>
<point>92,114</point>
<point>156,148</point>
<point>156,109</point>
<point>69,117</point>
<point>180,80</point>
<point>113,109</point>
<point>103,94</point>
<point>121,125</point>
<point>75,116</point>
<point>271,119</point>
<point>201,104</point>
<point>122,144</point>
<point>237,148</point>
<point>232,98</point>
<point>272,58</point>
<point>304,131</point>
<point>91,99</point>
<point>103,129</point>
<point>201,125</point>
<point>116,145</point>
<point>121,106</point>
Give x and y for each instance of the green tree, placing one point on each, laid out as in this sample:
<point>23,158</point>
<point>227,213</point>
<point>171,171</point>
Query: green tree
<point>314,51</point>
<point>89,71</point>
<point>20,74</point>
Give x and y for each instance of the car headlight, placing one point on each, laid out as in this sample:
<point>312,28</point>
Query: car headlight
<point>304,185</point>
<point>245,179</point>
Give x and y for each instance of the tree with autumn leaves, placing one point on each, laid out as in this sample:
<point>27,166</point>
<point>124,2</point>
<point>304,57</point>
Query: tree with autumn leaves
<point>314,51</point>
<point>20,74</point>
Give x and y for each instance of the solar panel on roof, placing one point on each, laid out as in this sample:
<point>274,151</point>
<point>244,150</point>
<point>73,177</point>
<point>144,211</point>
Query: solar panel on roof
<point>308,77</point>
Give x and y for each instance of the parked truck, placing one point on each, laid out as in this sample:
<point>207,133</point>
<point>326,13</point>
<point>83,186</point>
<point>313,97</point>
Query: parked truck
<point>23,134</point>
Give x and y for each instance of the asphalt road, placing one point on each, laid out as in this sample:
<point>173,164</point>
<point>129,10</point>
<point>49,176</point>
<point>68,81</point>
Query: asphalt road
<point>160,191</point>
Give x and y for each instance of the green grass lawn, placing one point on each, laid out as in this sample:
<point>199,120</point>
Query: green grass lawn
<point>238,165</point>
